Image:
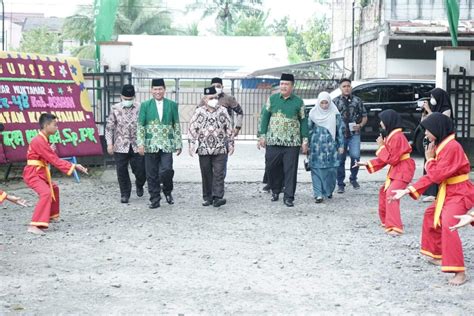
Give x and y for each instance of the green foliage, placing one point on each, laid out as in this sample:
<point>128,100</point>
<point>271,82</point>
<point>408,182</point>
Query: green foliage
<point>143,17</point>
<point>226,12</point>
<point>308,43</point>
<point>252,24</point>
<point>192,29</point>
<point>40,41</point>
<point>133,17</point>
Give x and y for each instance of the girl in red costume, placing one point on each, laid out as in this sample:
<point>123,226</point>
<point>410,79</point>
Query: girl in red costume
<point>448,166</point>
<point>394,150</point>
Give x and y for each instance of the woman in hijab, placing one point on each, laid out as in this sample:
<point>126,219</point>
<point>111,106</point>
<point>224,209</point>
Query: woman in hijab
<point>439,103</point>
<point>448,166</point>
<point>326,134</point>
<point>394,150</point>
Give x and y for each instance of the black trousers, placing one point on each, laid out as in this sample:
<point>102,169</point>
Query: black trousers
<point>137,162</point>
<point>213,175</point>
<point>432,189</point>
<point>159,168</point>
<point>281,167</point>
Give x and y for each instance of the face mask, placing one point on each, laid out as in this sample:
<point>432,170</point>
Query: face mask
<point>127,103</point>
<point>212,103</point>
<point>383,132</point>
<point>433,101</point>
<point>219,90</point>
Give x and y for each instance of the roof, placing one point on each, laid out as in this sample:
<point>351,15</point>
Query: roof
<point>324,69</point>
<point>53,24</point>
<point>211,52</point>
<point>430,27</point>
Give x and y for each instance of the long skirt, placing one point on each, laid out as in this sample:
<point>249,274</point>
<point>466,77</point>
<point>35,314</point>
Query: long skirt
<point>324,181</point>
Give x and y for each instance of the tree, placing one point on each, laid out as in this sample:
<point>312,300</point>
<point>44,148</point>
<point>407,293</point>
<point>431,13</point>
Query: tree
<point>226,12</point>
<point>316,39</point>
<point>192,29</point>
<point>311,42</point>
<point>143,17</point>
<point>252,24</point>
<point>40,41</point>
<point>133,17</point>
<point>80,27</point>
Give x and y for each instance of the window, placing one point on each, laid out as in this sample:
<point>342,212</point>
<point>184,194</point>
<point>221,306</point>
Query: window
<point>422,90</point>
<point>368,94</point>
<point>397,93</point>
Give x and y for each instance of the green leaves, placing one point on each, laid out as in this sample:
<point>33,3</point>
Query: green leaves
<point>40,41</point>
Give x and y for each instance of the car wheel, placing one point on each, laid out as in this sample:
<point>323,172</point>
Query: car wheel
<point>418,144</point>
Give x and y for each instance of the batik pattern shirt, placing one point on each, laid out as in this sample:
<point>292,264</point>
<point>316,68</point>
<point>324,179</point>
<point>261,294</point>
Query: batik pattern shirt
<point>121,128</point>
<point>323,148</point>
<point>352,110</point>
<point>283,121</point>
<point>231,104</point>
<point>210,132</point>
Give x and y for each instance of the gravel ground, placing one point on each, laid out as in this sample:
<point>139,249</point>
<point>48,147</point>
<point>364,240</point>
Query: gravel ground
<point>250,256</point>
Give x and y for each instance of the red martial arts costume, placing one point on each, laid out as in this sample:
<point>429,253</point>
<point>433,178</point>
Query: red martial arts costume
<point>38,177</point>
<point>396,153</point>
<point>450,169</point>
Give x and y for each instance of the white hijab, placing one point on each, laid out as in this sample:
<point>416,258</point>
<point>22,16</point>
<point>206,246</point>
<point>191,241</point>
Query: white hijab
<point>325,118</point>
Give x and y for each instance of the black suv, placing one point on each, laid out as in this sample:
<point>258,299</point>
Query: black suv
<point>400,95</point>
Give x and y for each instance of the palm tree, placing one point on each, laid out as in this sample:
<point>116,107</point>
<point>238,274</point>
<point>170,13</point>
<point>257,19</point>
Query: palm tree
<point>143,17</point>
<point>226,12</point>
<point>133,17</point>
<point>80,27</point>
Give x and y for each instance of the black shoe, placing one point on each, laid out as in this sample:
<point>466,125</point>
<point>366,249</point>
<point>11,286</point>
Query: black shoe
<point>219,202</point>
<point>288,202</point>
<point>139,191</point>
<point>155,205</point>
<point>355,184</point>
<point>319,199</point>
<point>123,200</point>
<point>206,203</point>
<point>169,198</point>
<point>275,197</point>
<point>340,189</point>
<point>266,188</point>
<point>330,196</point>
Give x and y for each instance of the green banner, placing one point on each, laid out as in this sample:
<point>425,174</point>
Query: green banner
<point>105,12</point>
<point>452,8</point>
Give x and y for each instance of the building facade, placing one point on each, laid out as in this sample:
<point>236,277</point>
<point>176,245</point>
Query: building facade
<point>396,38</point>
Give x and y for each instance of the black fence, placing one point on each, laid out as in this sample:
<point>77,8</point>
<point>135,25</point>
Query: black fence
<point>104,91</point>
<point>460,88</point>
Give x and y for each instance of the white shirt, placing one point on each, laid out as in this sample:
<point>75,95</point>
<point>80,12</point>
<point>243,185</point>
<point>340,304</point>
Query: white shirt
<point>159,108</point>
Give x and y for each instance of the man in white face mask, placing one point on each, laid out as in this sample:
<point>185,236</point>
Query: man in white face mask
<point>210,136</point>
<point>121,138</point>
<point>230,103</point>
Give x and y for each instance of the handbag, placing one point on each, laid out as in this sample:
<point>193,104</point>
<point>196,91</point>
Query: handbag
<point>307,167</point>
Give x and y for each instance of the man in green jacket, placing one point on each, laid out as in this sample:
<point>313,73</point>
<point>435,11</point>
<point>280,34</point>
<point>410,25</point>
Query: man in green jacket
<point>158,137</point>
<point>283,130</point>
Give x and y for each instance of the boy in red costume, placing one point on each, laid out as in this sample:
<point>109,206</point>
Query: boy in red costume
<point>38,177</point>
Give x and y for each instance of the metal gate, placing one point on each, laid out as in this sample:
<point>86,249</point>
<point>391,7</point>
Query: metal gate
<point>104,90</point>
<point>460,88</point>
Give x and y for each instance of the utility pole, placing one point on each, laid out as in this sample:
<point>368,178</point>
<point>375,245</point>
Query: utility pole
<point>353,40</point>
<point>3,25</point>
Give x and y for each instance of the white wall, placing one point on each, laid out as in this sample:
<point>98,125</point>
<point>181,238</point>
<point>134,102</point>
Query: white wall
<point>411,68</point>
<point>12,35</point>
